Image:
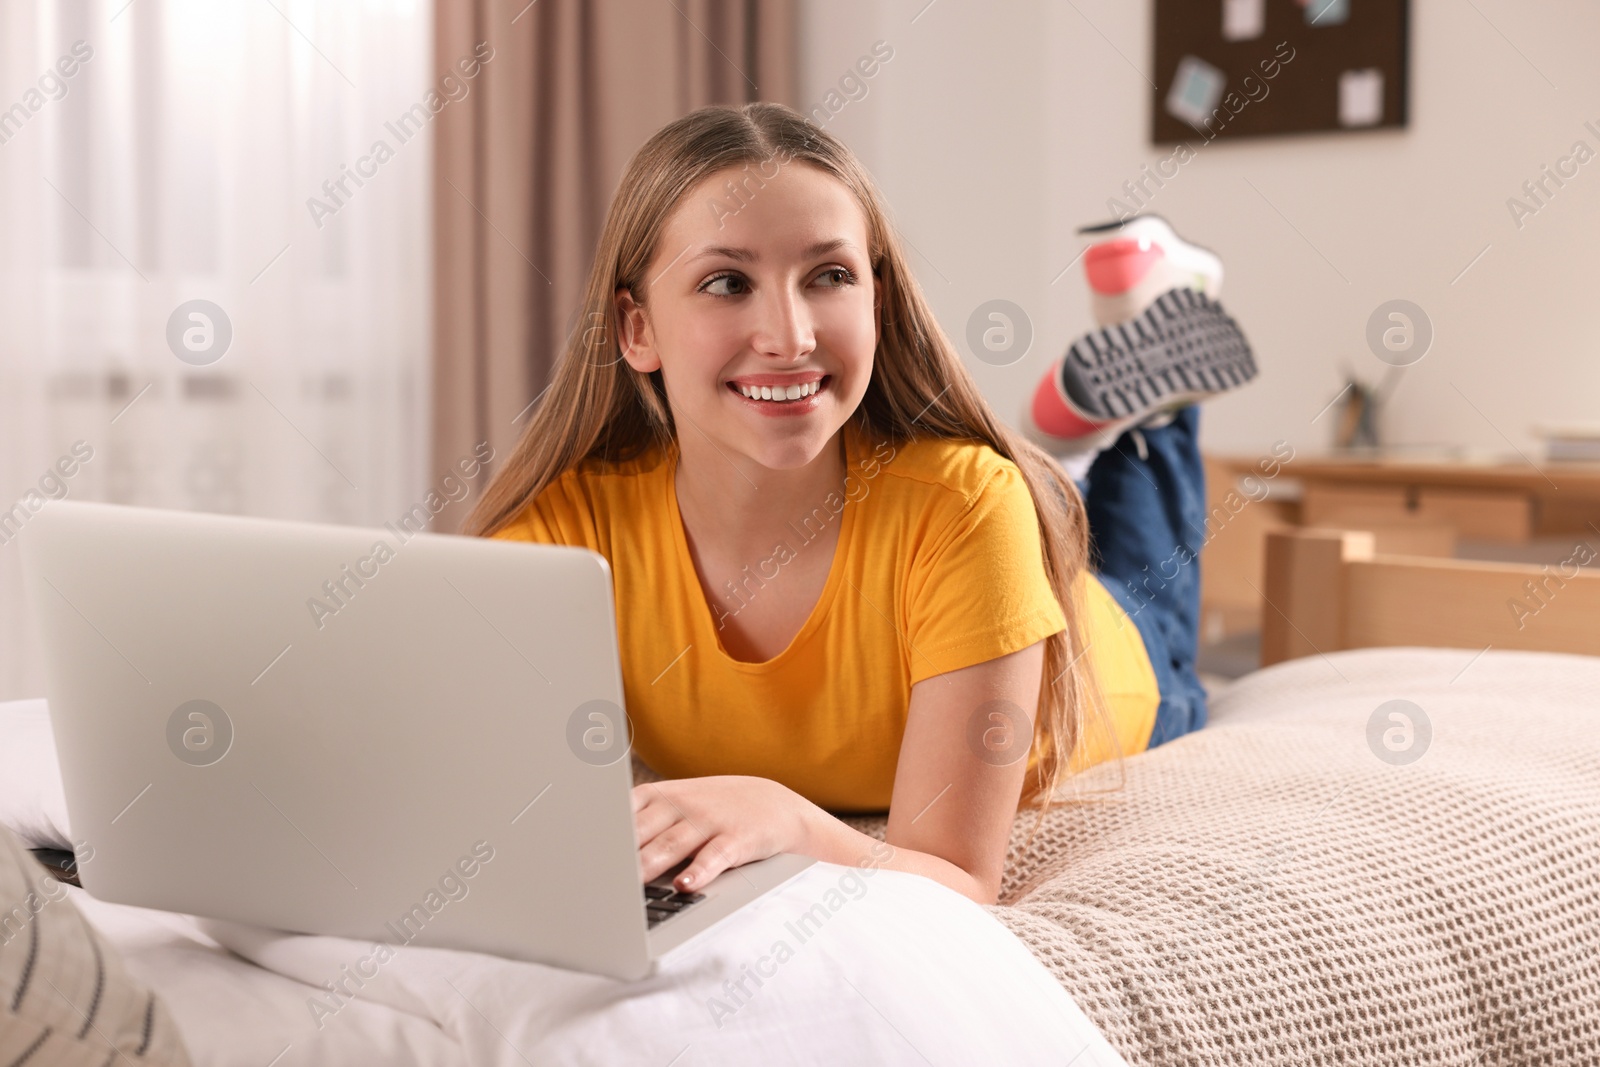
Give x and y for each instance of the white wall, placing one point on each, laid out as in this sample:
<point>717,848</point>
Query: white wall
<point>996,130</point>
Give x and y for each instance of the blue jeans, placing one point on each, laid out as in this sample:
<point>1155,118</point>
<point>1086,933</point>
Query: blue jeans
<point>1147,522</point>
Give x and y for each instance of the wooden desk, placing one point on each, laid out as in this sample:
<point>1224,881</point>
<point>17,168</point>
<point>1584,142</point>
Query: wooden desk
<point>1510,501</point>
<point>1412,504</point>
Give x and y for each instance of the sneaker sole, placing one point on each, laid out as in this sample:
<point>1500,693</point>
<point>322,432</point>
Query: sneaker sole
<point>1183,348</point>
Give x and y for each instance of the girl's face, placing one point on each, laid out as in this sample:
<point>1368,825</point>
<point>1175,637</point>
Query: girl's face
<point>770,292</point>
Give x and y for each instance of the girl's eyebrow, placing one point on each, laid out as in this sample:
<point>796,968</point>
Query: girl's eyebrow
<point>746,255</point>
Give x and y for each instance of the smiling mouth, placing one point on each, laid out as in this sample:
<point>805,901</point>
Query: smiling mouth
<point>777,394</point>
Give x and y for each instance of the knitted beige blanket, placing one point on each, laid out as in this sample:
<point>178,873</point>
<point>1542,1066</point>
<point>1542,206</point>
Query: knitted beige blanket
<point>1308,880</point>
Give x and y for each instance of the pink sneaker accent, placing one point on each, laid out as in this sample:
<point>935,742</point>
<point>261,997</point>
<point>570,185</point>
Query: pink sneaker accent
<point>1116,266</point>
<point>1054,416</point>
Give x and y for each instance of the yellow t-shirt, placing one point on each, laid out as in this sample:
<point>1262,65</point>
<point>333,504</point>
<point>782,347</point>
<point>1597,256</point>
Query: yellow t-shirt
<point>938,566</point>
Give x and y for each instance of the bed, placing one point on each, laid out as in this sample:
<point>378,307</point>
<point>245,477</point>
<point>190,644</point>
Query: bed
<point>1371,855</point>
<point>1330,589</point>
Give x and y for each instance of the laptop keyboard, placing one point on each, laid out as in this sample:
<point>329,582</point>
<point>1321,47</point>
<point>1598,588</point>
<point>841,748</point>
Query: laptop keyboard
<point>662,902</point>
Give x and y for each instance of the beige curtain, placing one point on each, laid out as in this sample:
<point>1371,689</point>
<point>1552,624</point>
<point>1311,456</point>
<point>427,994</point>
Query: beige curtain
<point>526,162</point>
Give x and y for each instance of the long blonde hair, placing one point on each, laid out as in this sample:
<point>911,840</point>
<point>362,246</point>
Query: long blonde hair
<point>597,406</point>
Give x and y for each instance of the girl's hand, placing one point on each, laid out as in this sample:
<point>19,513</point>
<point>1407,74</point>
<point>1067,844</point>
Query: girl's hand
<point>723,821</point>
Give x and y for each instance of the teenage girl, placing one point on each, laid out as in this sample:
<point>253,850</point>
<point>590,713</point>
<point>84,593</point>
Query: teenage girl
<point>842,585</point>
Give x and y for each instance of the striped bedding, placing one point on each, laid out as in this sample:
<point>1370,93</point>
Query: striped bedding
<point>65,997</point>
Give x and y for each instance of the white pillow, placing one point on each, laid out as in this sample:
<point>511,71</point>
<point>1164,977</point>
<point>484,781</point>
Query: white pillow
<point>891,968</point>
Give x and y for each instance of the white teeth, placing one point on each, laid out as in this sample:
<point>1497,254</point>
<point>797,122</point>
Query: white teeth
<point>779,392</point>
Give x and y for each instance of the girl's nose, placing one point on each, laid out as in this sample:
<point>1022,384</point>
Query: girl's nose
<point>785,329</point>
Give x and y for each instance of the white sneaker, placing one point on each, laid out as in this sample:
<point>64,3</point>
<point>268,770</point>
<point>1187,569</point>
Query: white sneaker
<point>1163,342</point>
<point>1132,263</point>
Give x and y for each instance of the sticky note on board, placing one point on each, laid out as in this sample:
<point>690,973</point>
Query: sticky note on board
<point>1243,20</point>
<point>1196,88</point>
<point>1326,12</point>
<point>1361,97</point>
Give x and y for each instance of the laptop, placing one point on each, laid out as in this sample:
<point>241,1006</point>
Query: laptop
<point>381,734</point>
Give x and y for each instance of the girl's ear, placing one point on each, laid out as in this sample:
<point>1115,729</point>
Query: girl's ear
<point>633,333</point>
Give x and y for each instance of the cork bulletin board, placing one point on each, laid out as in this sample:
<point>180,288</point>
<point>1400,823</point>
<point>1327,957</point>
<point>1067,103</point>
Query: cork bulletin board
<point>1250,68</point>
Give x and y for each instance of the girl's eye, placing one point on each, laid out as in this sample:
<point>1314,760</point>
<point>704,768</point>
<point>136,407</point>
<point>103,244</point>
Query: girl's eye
<point>832,278</point>
<point>706,286</point>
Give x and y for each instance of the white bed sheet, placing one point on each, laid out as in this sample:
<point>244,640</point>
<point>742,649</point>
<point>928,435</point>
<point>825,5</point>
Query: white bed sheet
<point>233,1013</point>
<point>903,971</point>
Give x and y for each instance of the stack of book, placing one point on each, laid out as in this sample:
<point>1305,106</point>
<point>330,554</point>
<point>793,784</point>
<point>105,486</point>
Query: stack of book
<point>1572,443</point>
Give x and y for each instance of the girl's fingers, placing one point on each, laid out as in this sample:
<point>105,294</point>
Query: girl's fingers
<point>677,842</point>
<point>652,820</point>
<point>714,857</point>
<point>645,793</point>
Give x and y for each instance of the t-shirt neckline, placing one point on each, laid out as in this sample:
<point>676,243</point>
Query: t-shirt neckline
<point>706,623</point>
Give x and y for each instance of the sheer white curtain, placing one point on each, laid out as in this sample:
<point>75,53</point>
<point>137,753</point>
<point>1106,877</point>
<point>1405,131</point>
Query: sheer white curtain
<point>158,152</point>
